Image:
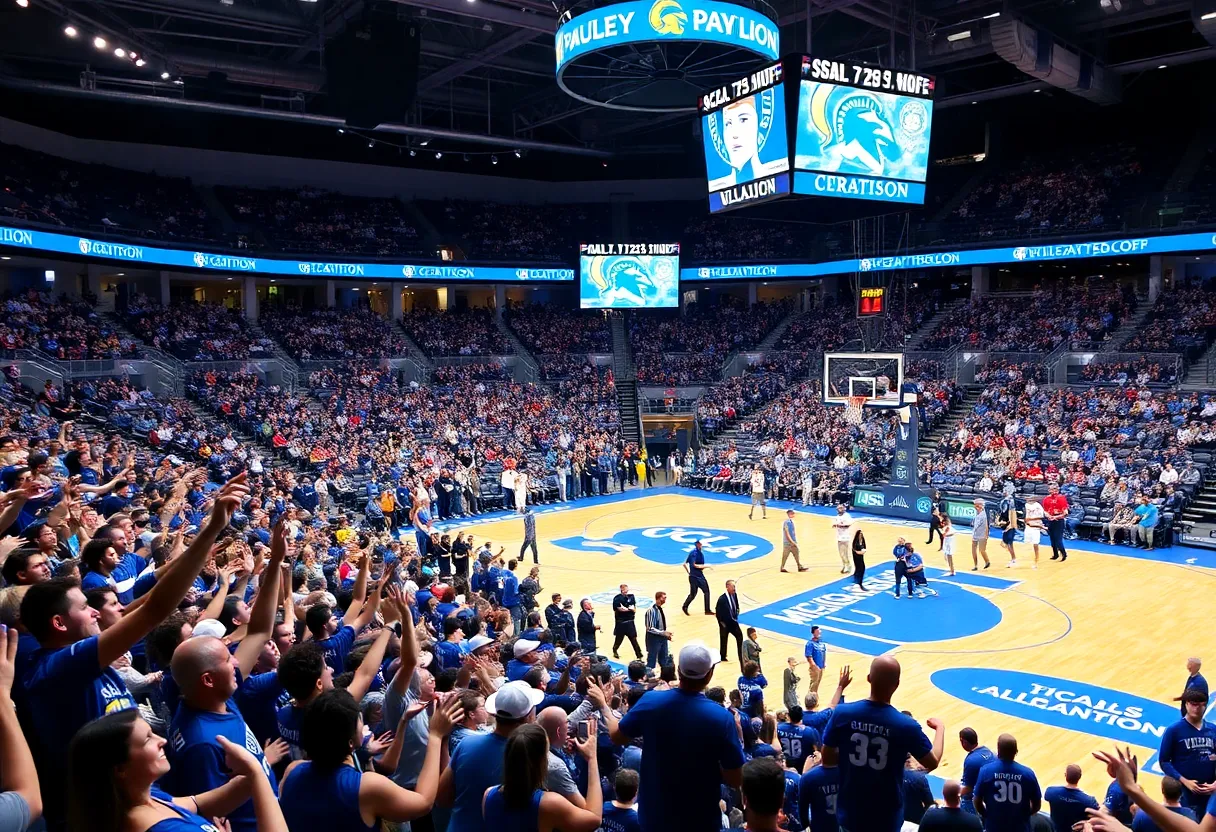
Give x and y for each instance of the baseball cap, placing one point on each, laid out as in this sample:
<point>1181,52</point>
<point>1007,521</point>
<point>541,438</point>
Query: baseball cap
<point>208,627</point>
<point>514,700</point>
<point>478,642</point>
<point>696,661</point>
<point>525,646</point>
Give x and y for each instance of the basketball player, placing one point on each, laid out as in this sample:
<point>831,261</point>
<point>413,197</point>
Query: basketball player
<point>1035,526</point>
<point>1007,521</point>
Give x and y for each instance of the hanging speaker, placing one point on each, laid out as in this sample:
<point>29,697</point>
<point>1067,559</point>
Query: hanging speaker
<point>372,67</point>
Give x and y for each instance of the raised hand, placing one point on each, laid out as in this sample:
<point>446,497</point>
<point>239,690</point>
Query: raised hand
<point>275,750</point>
<point>228,499</point>
<point>378,745</point>
<point>846,676</point>
<point>447,716</point>
<point>1121,766</point>
<point>238,759</point>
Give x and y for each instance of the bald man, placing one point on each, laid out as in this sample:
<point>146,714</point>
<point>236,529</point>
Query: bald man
<point>1068,803</point>
<point>1194,681</point>
<point>869,741</point>
<point>1007,794</point>
<point>951,817</point>
<point>560,779</point>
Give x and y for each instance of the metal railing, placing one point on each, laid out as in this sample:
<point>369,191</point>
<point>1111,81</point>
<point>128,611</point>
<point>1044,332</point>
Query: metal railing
<point>932,364</point>
<point>1171,364</point>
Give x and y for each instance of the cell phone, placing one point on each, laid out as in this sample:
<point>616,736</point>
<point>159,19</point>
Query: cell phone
<point>584,730</point>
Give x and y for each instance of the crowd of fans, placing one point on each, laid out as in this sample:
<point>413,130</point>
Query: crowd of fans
<point>546,328</point>
<point>1039,323</point>
<point>44,189</point>
<point>311,220</point>
<point>1140,372</point>
<point>332,334</point>
<point>195,331</point>
<point>496,231</point>
<point>62,327</point>
<point>1181,321</point>
<point>467,331</point>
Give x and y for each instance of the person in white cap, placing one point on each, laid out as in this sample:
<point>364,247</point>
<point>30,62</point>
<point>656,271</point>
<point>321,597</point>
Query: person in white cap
<point>477,763</point>
<point>690,747</point>
<point>526,656</point>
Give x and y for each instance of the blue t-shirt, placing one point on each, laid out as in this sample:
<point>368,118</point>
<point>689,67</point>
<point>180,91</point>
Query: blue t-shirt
<point>1143,823</point>
<point>259,698</point>
<point>337,646</point>
<point>476,766</point>
<point>125,574</point>
<point>197,759</point>
<point>976,759</point>
<point>96,580</point>
<point>751,691</point>
<point>817,794</point>
<point>450,654</point>
<point>1068,806</point>
<point>319,799</point>
<point>918,797</point>
<point>818,720</point>
<point>1186,751</point>
<point>510,589</point>
<point>186,821</point>
<point>686,742</point>
<point>617,819</point>
<point>287,721</point>
<point>797,743</point>
<point>1118,804</point>
<point>694,558</point>
<point>1008,789</point>
<point>873,740</point>
<point>65,688</point>
<point>817,652</point>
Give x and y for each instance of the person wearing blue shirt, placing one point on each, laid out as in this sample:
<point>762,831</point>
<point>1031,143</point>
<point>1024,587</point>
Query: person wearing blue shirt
<point>751,689</point>
<point>818,792</point>
<point>450,652</point>
<point>816,654</point>
<point>1188,750</point>
<point>1068,803</point>
<point>694,565</point>
<point>798,741</point>
<point>870,740</point>
<point>619,814</point>
<point>1194,680</point>
<point>1146,514</point>
<point>1171,794</point>
<point>918,796</point>
<point>977,757</point>
<point>336,637</point>
<point>690,747</point>
<point>510,595</point>
<point>69,680</point>
<point>1118,803</point>
<point>1008,793</point>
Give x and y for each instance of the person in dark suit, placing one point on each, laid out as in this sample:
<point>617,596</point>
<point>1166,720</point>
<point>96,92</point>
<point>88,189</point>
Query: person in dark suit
<point>727,612</point>
<point>587,628</point>
<point>625,608</point>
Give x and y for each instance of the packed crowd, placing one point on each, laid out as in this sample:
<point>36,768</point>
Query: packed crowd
<point>546,328</point>
<point>1040,323</point>
<point>1053,194</point>
<point>1181,321</point>
<point>492,230</point>
<point>194,331</point>
<point>308,220</point>
<point>1140,372</point>
<point>44,189</point>
<point>468,331</point>
<point>329,334</point>
<point>62,327</point>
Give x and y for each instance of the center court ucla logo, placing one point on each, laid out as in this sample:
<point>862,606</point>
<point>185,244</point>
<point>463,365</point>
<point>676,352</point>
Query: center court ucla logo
<point>873,621</point>
<point>671,544</point>
<point>667,18</point>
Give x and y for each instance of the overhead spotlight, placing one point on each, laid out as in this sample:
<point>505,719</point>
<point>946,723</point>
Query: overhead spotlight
<point>957,36</point>
<point>140,62</point>
<point>164,76</point>
<point>493,160</point>
<point>424,142</point>
<point>70,31</point>
<point>99,42</point>
<point>1163,66</point>
<point>992,16</point>
<point>466,157</point>
<point>438,154</point>
<point>1039,90</point>
<point>341,131</point>
<point>132,55</point>
<point>518,155</point>
<point>25,4</point>
<point>1208,16</point>
<point>120,52</point>
<point>413,152</point>
<point>371,144</point>
<point>179,82</point>
<point>975,102</point>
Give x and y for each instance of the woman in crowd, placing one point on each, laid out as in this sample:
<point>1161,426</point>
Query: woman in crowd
<point>521,804</point>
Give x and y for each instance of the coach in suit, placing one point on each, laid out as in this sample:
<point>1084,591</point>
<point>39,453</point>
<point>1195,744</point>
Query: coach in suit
<point>727,612</point>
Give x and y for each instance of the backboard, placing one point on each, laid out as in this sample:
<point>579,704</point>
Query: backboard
<point>878,376</point>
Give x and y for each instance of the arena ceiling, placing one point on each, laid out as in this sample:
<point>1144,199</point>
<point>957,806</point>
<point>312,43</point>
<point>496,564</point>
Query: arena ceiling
<point>487,66</point>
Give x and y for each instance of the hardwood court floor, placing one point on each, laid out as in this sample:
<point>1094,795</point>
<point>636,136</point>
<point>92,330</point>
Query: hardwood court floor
<point>1070,657</point>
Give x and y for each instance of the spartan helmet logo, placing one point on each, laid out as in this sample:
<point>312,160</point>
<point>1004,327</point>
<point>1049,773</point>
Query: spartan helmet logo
<point>667,18</point>
<point>1019,253</point>
<point>857,127</point>
<point>85,245</point>
<point>199,259</point>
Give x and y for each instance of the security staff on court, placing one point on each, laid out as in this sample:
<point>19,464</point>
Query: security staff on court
<point>695,566</point>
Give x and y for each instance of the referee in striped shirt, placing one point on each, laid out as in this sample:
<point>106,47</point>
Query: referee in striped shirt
<point>657,634</point>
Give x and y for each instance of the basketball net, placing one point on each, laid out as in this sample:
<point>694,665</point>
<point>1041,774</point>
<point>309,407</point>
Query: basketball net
<point>854,408</point>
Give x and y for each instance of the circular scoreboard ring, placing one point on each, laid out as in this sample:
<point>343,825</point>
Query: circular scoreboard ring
<point>659,56</point>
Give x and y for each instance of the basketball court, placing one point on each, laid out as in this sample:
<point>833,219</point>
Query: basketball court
<point>1055,655</point>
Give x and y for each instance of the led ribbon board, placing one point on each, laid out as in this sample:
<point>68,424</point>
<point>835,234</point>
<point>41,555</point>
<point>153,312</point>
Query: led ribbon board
<point>707,21</point>
<point>862,132</point>
<point>746,149</point>
<point>42,242</point>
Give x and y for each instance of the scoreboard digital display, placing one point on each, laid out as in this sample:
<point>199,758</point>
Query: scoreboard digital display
<point>743,131</point>
<point>862,132</point>
<point>629,275</point>
<point>871,301</point>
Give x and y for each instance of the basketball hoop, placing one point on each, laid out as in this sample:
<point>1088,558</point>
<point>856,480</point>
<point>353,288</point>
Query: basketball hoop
<point>853,409</point>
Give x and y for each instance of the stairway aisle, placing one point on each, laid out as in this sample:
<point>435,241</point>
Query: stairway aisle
<point>1129,327</point>
<point>930,326</point>
<point>626,375</point>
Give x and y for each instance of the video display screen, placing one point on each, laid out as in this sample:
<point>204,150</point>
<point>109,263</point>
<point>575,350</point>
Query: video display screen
<point>743,131</point>
<point>629,275</point>
<point>862,132</point>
